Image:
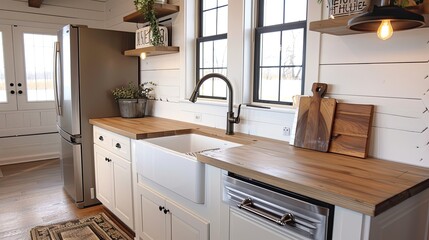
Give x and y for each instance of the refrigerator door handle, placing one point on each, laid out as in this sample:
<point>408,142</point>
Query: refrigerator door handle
<point>58,107</point>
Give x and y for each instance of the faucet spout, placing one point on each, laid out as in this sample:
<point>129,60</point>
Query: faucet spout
<point>230,119</point>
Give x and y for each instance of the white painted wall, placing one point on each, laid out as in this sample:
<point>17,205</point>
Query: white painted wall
<point>392,75</point>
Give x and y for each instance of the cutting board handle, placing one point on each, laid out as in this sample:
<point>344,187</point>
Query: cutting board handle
<point>319,89</point>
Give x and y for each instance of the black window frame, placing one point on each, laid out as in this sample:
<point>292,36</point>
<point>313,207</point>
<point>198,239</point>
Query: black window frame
<point>261,29</point>
<point>201,39</point>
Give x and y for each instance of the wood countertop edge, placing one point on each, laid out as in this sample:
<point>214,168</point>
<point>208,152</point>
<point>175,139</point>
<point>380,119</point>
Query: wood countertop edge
<point>329,197</point>
<point>372,209</point>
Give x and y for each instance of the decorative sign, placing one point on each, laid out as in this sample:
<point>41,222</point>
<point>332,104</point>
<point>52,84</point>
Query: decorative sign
<point>347,7</point>
<point>143,36</point>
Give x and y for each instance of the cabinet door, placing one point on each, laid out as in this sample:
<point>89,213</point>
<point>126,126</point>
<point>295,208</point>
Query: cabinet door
<point>186,225</point>
<point>103,176</point>
<point>122,182</point>
<point>153,219</point>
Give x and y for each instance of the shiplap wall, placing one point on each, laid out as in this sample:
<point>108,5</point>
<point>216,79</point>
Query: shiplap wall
<point>20,138</point>
<point>392,75</point>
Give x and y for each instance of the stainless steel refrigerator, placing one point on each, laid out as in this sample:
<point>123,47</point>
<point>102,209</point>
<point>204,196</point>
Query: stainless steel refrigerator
<point>88,64</point>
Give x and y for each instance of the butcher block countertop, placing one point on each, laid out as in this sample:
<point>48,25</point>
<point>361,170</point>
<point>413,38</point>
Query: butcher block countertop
<point>369,186</point>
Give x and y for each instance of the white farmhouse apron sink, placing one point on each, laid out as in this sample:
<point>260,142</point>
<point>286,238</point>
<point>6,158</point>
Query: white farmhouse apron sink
<point>171,162</point>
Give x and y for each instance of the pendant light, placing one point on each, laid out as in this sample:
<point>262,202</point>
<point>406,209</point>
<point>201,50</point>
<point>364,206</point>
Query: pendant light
<point>385,19</point>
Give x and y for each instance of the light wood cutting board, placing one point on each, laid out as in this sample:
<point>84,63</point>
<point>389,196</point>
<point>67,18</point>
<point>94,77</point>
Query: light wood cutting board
<point>351,130</point>
<point>315,117</point>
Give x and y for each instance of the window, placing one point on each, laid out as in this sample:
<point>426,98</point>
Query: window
<point>279,51</point>
<point>212,46</point>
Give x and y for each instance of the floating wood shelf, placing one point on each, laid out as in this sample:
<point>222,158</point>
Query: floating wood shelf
<point>152,51</point>
<point>338,26</point>
<point>161,10</point>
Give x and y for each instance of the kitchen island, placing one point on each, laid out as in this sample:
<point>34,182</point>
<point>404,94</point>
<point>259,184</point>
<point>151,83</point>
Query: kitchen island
<point>363,188</point>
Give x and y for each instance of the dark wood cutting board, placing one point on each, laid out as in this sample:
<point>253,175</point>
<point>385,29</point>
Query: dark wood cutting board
<point>315,117</point>
<point>351,130</point>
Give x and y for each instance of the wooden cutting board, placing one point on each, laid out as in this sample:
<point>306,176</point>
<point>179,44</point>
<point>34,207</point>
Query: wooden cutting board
<point>315,117</point>
<point>351,130</point>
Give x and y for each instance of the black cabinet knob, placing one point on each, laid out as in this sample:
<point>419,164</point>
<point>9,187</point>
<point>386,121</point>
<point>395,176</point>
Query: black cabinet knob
<point>11,84</point>
<point>161,208</point>
<point>106,159</point>
<point>19,85</point>
<point>101,138</point>
<point>12,92</point>
<point>166,211</point>
<point>118,145</point>
<point>20,92</point>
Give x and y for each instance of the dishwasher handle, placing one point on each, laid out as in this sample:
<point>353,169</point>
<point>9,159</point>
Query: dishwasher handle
<point>248,205</point>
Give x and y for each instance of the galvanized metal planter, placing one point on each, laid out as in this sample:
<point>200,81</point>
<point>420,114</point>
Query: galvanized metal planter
<point>132,108</point>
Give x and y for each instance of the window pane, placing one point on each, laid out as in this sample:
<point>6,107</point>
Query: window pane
<point>222,3</point>
<point>209,24</point>
<point>292,47</point>
<point>208,4</point>
<point>269,84</point>
<point>38,51</point>
<point>206,55</point>
<point>295,11</point>
<point>270,49</point>
<point>290,85</point>
<point>222,24</point>
<point>220,49</point>
<point>273,12</point>
<point>219,87</point>
<point>3,96</point>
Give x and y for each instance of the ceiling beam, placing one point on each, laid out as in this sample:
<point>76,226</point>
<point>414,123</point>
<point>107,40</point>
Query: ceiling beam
<point>35,3</point>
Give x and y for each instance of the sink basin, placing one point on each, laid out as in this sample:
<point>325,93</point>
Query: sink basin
<point>171,162</point>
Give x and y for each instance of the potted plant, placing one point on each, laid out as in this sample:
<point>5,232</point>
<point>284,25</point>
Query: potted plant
<point>146,8</point>
<point>132,99</point>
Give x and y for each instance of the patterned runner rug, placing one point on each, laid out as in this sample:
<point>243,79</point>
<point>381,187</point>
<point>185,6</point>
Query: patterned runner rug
<point>98,227</point>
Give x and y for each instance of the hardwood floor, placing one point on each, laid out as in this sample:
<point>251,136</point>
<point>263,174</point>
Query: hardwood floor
<point>31,194</point>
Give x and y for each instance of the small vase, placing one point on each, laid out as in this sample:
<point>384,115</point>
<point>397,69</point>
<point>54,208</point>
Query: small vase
<point>132,108</point>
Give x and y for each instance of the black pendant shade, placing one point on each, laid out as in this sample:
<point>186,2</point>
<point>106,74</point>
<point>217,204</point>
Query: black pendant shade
<point>400,19</point>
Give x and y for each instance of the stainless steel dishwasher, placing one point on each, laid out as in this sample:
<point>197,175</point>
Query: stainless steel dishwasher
<point>261,211</point>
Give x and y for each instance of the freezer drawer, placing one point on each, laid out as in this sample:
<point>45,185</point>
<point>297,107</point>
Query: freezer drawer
<point>71,164</point>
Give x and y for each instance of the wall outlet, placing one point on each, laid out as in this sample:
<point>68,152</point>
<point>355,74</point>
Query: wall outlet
<point>92,193</point>
<point>286,131</point>
<point>198,117</point>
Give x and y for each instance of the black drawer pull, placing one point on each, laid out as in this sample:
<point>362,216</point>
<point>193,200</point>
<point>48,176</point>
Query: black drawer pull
<point>101,138</point>
<point>118,145</point>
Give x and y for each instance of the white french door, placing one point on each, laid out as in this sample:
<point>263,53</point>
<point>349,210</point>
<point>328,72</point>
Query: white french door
<point>27,82</point>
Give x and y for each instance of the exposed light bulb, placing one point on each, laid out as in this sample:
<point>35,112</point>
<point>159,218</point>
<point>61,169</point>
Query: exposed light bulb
<point>385,31</point>
<point>142,55</point>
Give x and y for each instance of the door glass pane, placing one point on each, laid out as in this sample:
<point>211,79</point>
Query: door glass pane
<point>3,97</point>
<point>39,66</point>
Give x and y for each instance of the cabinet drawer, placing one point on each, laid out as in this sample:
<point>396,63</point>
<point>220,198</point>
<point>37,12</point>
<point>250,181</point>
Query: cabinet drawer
<point>102,138</point>
<point>113,142</point>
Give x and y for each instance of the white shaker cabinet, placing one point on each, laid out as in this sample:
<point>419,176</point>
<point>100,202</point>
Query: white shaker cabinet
<point>162,219</point>
<point>113,174</point>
